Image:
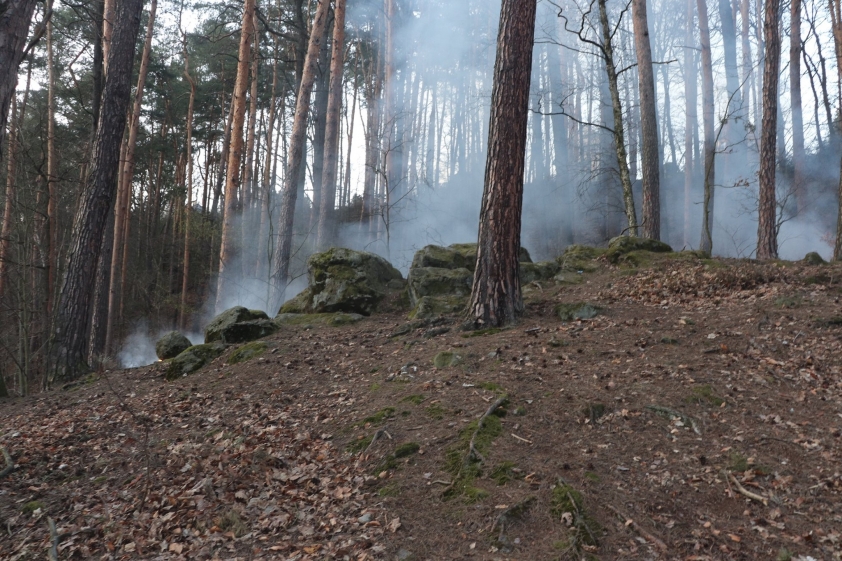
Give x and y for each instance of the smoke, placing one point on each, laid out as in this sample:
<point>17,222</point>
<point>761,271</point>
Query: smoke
<point>139,347</point>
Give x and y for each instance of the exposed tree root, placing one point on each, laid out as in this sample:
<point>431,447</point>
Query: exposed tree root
<point>10,464</point>
<point>657,542</point>
<point>472,454</point>
<point>743,491</point>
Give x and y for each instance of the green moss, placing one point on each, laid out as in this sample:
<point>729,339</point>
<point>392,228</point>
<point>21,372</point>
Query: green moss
<point>704,394</point>
<point>465,468</point>
<point>784,555</point>
<point>577,310</point>
<point>788,301</point>
<point>31,507</point>
<point>247,352</point>
<point>378,417</point>
<point>415,399</point>
<point>490,386</point>
<point>583,529</point>
<point>738,462</point>
<point>390,490</point>
<point>503,473</point>
<point>436,411</point>
<point>360,444</point>
<point>520,411</point>
<point>447,359</point>
<point>407,449</point>
<point>669,341</point>
<point>592,476</point>
<point>835,321</point>
<point>622,246</point>
<point>99,480</point>
<point>231,522</point>
<point>482,332</point>
<point>374,387</point>
<point>594,411</point>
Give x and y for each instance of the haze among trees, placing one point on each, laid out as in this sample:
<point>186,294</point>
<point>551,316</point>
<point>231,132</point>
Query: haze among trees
<point>167,159</point>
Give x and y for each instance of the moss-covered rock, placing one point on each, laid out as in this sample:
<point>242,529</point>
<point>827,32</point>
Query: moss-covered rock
<point>577,310</point>
<point>445,359</point>
<point>297,305</point>
<point>580,258</point>
<point>444,257</point>
<point>193,359</point>
<point>333,320</point>
<point>435,281</point>
<point>171,344</point>
<point>344,280</point>
<point>532,272</point>
<point>246,331</point>
<point>623,245</point>
<point>814,258</point>
<point>247,352</point>
<point>237,314</point>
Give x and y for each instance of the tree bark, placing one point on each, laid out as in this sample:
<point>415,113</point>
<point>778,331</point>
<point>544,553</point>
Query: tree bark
<point>795,102</point>
<point>691,115</point>
<point>188,210</point>
<point>706,244</point>
<point>120,247</point>
<point>228,250</point>
<point>68,345</point>
<point>327,222</point>
<point>15,18</point>
<point>617,109</point>
<point>767,240</point>
<point>249,170</point>
<point>496,293</point>
<point>651,226</point>
<point>52,172</point>
<point>283,251</point>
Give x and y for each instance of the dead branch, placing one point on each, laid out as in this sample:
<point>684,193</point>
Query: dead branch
<point>10,464</point>
<point>472,453</point>
<point>378,434</point>
<point>743,491</point>
<point>53,553</point>
<point>637,528</point>
<point>515,511</point>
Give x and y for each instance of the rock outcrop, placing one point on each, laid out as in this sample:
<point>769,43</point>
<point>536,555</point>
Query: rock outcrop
<point>238,325</point>
<point>171,344</point>
<point>193,359</point>
<point>344,280</point>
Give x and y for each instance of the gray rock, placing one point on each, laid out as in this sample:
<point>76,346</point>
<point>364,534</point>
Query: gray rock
<point>245,331</point>
<point>344,280</point>
<point>437,281</point>
<point>237,314</point>
<point>171,344</point>
<point>446,358</point>
<point>577,310</point>
<point>814,258</point>
<point>193,359</point>
<point>532,272</point>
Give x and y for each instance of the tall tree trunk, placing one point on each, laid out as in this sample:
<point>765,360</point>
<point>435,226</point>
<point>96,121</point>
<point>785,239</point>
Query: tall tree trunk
<point>706,244</point>
<point>52,172</point>
<point>15,18</point>
<point>228,250</point>
<point>394,150</point>
<point>767,236</point>
<point>319,123</point>
<point>496,294</point>
<point>651,226</point>
<point>836,24</point>
<point>691,121</point>
<point>68,345</point>
<point>327,221</point>
<point>283,251</point>
<point>617,109</point>
<point>188,210</point>
<point>120,248</point>
<point>11,191</point>
<point>249,170</point>
<point>795,102</point>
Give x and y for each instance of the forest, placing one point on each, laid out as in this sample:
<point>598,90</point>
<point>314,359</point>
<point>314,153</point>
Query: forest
<point>707,125</point>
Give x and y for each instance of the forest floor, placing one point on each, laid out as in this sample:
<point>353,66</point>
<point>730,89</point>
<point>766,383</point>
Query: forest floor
<point>699,416</point>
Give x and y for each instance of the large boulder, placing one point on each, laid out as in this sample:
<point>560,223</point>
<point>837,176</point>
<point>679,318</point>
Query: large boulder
<point>437,281</point>
<point>224,321</point>
<point>171,345</point>
<point>454,256</point>
<point>344,280</point>
<point>193,359</point>
<point>623,245</point>
<point>245,331</point>
<point>535,272</point>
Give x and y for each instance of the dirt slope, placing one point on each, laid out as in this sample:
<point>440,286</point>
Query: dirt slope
<point>697,417</point>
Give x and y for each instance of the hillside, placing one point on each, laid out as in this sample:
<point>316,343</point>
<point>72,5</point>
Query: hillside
<point>697,416</point>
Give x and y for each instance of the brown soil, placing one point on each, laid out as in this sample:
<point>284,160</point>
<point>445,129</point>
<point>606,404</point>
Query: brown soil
<point>701,379</point>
